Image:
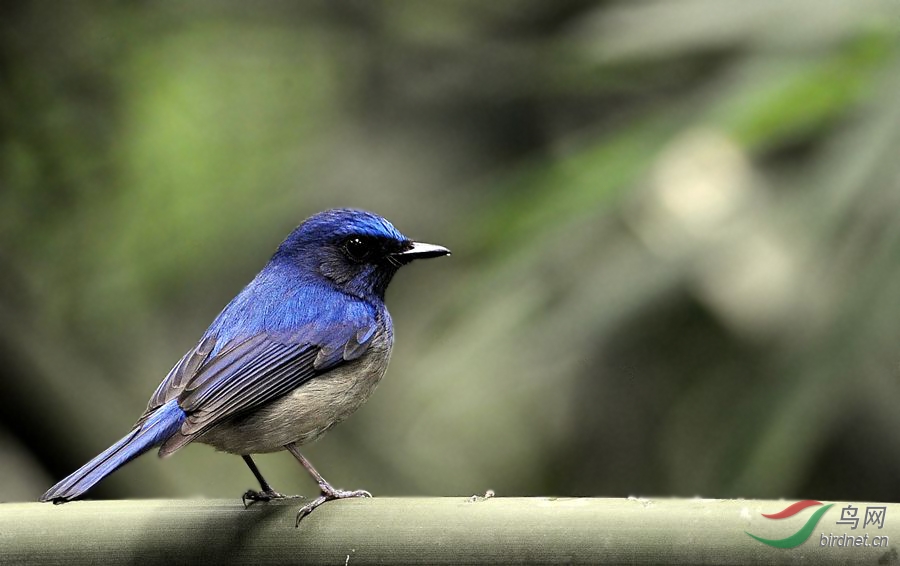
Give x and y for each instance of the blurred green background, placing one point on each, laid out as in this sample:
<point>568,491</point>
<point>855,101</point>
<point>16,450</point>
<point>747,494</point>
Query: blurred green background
<point>675,226</point>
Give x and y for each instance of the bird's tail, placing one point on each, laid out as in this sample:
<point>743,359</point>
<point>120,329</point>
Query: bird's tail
<point>157,428</point>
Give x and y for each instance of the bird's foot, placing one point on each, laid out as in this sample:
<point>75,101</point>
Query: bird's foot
<point>252,496</point>
<point>328,494</point>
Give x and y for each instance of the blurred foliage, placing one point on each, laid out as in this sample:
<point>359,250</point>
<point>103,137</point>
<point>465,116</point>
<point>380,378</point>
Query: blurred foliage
<point>674,225</point>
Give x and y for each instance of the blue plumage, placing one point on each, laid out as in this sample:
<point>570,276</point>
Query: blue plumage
<point>295,352</point>
<point>161,425</point>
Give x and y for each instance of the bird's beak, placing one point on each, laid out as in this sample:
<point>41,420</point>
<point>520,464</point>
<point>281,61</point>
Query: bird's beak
<point>420,250</point>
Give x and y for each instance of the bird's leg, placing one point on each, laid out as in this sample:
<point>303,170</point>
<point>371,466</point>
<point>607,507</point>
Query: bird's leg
<point>327,492</point>
<point>265,493</point>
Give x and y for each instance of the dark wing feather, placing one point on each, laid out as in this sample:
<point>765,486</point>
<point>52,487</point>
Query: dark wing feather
<point>274,371</point>
<point>212,386</point>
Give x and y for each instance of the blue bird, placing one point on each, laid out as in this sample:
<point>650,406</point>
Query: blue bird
<point>293,354</point>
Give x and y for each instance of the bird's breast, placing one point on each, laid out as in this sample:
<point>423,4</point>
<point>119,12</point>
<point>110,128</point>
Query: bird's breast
<point>310,410</point>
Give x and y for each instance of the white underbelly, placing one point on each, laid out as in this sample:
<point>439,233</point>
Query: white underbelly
<point>306,413</point>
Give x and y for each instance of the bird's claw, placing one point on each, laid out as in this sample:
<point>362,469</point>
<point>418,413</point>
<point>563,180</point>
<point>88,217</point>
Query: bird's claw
<point>252,496</point>
<point>328,494</point>
<point>342,494</point>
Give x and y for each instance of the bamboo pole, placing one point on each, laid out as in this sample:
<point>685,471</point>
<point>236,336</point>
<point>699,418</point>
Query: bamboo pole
<point>389,530</point>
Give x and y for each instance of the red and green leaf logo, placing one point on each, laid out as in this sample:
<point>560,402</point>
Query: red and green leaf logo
<point>805,531</point>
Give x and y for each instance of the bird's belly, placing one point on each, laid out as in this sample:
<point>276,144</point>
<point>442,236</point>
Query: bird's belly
<point>306,413</point>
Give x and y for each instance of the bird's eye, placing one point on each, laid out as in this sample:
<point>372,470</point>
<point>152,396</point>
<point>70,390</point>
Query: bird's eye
<point>359,248</point>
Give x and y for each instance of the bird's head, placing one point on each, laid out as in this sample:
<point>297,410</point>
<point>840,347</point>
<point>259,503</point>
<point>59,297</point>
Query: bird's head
<point>356,250</point>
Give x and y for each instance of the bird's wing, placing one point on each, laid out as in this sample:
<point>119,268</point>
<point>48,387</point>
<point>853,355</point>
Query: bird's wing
<point>214,385</point>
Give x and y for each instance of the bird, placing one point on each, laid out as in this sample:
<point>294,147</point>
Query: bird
<point>297,351</point>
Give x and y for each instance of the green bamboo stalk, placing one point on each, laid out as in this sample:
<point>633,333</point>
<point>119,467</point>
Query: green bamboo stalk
<point>390,530</point>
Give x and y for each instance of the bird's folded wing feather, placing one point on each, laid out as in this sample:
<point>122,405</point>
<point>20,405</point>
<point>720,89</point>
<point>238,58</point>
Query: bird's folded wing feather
<point>212,386</point>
